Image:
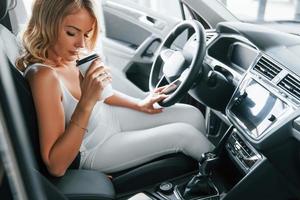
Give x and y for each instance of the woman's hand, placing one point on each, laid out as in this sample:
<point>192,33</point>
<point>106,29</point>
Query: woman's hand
<point>96,79</point>
<point>147,105</point>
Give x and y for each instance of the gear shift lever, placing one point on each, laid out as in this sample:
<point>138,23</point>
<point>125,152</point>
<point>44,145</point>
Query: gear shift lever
<point>208,159</point>
<point>199,185</point>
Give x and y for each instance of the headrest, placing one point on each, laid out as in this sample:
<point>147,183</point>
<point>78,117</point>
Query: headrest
<point>4,5</point>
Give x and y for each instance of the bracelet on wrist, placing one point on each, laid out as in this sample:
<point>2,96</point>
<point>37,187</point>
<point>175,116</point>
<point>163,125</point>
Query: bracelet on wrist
<point>78,125</point>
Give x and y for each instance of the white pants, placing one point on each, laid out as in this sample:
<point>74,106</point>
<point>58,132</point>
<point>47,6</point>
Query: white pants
<point>144,137</point>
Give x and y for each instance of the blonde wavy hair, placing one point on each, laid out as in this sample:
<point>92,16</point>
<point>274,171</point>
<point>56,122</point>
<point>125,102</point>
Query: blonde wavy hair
<point>42,29</point>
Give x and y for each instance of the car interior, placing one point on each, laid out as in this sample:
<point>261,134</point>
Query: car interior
<point>243,77</point>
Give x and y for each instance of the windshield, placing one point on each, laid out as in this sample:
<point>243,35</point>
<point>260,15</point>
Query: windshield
<point>264,10</point>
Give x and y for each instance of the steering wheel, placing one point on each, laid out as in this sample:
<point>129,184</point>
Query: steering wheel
<point>179,67</point>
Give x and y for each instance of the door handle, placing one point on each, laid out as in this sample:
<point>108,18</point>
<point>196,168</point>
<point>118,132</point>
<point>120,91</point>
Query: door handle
<point>147,20</point>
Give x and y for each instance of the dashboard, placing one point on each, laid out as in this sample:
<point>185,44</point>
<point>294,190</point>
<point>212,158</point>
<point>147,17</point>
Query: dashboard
<point>264,67</point>
<point>267,93</point>
<point>231,51</point>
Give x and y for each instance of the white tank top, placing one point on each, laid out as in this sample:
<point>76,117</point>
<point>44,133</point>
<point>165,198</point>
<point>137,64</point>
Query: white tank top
<point>102,123</point>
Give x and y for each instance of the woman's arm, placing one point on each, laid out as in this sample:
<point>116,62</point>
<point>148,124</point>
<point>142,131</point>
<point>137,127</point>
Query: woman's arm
<point>59,142</point>
<point>123,100</point>
<point>146,105</point>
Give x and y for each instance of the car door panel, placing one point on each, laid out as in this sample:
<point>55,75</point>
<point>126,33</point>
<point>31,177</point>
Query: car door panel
<point>117,29</point>
<point>131,38</point>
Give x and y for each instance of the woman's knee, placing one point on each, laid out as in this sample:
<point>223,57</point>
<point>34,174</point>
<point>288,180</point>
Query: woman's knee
<point>187,131</point>
<point>192,142</point>
<point>195,118</point>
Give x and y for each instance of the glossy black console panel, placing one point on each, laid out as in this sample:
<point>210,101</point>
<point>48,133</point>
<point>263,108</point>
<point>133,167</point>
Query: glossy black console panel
<point>242,153</point>
<point>257,110</point>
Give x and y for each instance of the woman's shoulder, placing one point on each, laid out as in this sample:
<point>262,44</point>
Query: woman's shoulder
<point>40,74</point>
<point>39,71</point>
<point>44,84</point>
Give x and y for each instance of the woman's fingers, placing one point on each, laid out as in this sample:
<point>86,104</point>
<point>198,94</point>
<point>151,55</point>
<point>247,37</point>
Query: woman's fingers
<point>103,80</point>
<point>96,63</point>
<point>100,75</point>
<point>155,111</point>
<point>159,89</point>
<point>158,97</point>
<point>147,105</point>
<point>152,110</point>
<point>95,80</point>
<point>99,71</point>
<point>166,89</point>
<point>96,68</point>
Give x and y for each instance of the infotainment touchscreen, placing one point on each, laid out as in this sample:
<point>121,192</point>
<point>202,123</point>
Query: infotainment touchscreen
<point>257,108</point>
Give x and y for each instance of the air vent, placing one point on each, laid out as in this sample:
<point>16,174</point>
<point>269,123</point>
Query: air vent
<point>210,35</point>
<point>267,68</point>
<point>291,85</point>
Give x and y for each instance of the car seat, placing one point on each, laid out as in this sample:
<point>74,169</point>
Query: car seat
<point>76,184</point>
<point>149,173</point>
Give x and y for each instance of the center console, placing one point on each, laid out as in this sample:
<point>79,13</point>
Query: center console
<point>257,110</point>
<point>174,192</point>
<point>242,152</point>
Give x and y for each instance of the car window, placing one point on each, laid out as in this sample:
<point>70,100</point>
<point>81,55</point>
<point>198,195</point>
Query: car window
<point>169,8</point>
<point>264,10</point>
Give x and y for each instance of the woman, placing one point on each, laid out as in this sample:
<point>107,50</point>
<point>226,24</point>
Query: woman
<point>111,136</point>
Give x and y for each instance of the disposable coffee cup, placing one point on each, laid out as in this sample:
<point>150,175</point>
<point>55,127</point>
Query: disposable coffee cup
<point>84,64</point>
